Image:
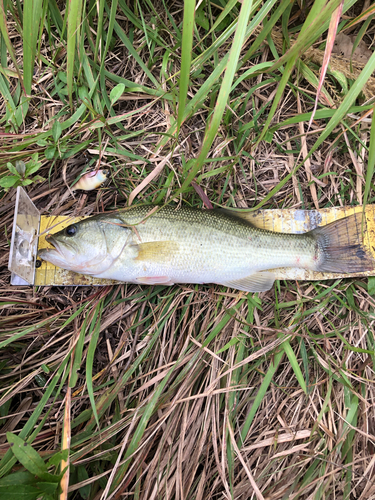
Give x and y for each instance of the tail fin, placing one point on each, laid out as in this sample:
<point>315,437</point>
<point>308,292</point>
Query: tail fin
<point>340,246</point>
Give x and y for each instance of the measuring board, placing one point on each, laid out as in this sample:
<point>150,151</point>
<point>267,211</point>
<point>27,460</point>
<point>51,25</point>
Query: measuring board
<point>30,230</point>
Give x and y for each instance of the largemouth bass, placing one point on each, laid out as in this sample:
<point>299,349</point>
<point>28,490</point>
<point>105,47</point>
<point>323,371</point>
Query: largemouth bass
<point>151,245</point>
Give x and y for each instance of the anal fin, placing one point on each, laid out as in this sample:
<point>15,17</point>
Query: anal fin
<point>257,282</point>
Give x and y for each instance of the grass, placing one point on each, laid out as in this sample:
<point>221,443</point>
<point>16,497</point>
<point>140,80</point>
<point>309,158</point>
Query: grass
<point>190,391</point>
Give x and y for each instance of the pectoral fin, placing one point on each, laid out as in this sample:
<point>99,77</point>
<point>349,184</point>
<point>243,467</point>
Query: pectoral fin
<point>155,280</point>
<point>156,251</point>
<point>258,282</point>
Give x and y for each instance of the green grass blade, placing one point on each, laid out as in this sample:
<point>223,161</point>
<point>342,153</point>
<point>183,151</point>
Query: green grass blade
<point>260,396</point>
<point>94,331</point>
<point>8,43</point>
<point>362,17</point>
<point>186,55</point>
<point>294,364</point>
<point>32,18</point>
<point>129,46</point>
<point>93,83</point>
<point>7,96</point>
<point>74,10</point>
<point>99,34</point>
<point>371,160</point>
<point>268,27</point>
<point>111,24</point>
<point>78,354</point>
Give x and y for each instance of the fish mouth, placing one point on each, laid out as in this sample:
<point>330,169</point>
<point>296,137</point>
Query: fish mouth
<point>56,248</point>
<point>51,240</point>
<point>55,255</point>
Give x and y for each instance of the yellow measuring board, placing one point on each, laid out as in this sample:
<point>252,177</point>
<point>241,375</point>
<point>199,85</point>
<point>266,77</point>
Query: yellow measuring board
<point>279,220</point>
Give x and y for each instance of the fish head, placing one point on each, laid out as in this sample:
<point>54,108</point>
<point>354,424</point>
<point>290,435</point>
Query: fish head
<point>89,247</point>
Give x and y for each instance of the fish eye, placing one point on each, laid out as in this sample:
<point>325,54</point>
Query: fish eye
<point>71,230</point>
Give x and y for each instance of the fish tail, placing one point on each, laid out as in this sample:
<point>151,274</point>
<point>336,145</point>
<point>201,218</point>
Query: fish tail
<point>340,247</point>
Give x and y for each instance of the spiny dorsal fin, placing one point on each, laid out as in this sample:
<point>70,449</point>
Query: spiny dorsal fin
<point>242,215</point>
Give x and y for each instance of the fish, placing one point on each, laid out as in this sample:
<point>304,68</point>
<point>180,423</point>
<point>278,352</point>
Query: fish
<point>167,245</point>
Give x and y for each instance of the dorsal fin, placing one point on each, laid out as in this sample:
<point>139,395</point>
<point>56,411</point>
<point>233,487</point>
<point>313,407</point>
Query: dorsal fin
<point>243,216</point>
